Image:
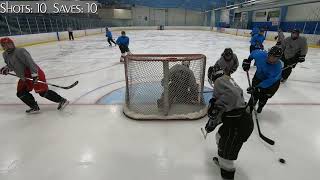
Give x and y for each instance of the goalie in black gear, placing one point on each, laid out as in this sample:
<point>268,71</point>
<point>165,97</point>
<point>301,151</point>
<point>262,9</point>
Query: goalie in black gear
<point>183,88</point>
<point>229,108</point>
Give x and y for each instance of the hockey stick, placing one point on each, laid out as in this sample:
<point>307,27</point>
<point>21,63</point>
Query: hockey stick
<point>204,92</point>
<point>269,141</point>
<point>290,66</point>
<point>62,87</point>
<point>204,133</point>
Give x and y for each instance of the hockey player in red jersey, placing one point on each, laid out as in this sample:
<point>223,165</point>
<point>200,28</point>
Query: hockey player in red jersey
<point>20,61</point>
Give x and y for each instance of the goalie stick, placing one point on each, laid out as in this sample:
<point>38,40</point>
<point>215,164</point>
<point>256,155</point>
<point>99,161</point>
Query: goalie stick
<point>62,87</point>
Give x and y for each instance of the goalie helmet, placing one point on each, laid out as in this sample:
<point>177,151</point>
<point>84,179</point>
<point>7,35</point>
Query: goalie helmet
<point>186,63</point>
<point>227,54</point>
<point>214,73</point>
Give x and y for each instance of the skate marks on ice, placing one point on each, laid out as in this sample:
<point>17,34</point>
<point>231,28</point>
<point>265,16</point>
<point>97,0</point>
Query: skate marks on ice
<point>8,166</point>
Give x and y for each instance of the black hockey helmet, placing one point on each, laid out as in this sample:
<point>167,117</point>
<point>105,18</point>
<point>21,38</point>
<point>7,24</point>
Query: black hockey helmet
<point>215,72</point>
<point>227,53</point>
<point>275,51</point>
<point>295,31</point>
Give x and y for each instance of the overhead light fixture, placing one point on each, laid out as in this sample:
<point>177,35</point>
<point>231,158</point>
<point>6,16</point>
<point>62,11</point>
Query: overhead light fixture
<point>236,7</point>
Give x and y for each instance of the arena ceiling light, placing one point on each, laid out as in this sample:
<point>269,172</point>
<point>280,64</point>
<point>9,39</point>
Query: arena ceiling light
<point>268,4</point>
<point>235,6</point>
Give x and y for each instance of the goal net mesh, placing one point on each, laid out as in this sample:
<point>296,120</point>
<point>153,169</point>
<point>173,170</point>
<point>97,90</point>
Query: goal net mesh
<point>165,86</point>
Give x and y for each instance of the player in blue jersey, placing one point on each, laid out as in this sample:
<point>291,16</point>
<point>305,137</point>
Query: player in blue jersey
<point>255,30</point>
<point>123,42</point>
<point>256,41</point>
<point>109,36</point>
<point>266,80</point>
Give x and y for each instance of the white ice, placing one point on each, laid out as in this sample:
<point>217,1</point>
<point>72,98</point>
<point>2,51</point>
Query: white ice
<point>90,141</point>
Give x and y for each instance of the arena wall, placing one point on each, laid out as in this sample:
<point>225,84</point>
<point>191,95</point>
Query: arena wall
<point>32,39</point>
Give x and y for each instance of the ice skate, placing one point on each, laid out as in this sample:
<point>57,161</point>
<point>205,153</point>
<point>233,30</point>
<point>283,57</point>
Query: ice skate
<point>63,104</point>
<point>33,110</point>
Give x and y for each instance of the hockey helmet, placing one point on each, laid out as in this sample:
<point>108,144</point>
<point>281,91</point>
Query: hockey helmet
<point>227,54</point>
<point>295,33</point>
<point>215,72</point>
<point>275,51</point>
<point>5,40</point>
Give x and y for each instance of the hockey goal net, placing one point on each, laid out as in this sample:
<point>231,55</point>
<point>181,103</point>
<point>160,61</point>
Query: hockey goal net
<point>167,86</point>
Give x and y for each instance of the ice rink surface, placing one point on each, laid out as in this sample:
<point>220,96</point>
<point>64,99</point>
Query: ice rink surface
<point>93,141</point>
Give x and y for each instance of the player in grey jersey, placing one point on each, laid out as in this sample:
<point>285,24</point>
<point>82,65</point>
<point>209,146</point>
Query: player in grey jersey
<point>228,62</point>
<point>295,49</point>
<point>280,38</point>
<point>229,108</point>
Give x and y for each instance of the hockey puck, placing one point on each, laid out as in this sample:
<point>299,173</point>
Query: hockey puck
<point>282,161</point>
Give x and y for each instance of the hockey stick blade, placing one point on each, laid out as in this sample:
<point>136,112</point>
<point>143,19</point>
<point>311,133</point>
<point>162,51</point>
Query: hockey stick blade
<point>66,87</point>
<point>267,140</point>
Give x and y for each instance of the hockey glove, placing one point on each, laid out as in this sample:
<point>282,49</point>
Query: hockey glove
<point>301,59</point>
<point>253,90</point>
<point>4,70</point>
<point>246,64</point>
<point>214,121</point>
<point>35,78</point>
<point>213,115</point>
<point>211,105</point>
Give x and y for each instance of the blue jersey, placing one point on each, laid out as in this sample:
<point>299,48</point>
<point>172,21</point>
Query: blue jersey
<point>266,72</point>
<point>255,31</point>
<point>257,40</point>
<point>109,34</point>
<point>123,40</point>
